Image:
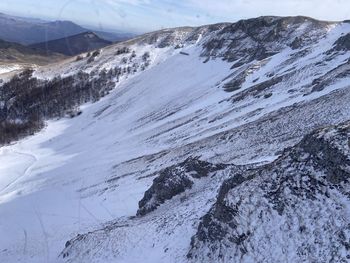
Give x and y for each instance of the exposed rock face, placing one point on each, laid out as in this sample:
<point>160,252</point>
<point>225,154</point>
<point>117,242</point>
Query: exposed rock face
<point>297,205</point>
<point>257,39</point>
<point>297,43</point>
<point>175,180</point>
<point>258,89</point>
<point>343,43</point>
<point>167,37</point>
<point>331,77</point>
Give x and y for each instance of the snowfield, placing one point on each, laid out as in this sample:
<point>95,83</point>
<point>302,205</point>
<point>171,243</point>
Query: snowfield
<point>50,178</point>
<point>87,174</point>
<point>8,68</point>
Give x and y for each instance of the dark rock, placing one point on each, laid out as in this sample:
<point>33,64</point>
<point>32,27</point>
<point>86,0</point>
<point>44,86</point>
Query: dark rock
<point>259,38</point>
<point>343,43</point>
<point>257,89</point>
<point>297,43</point>
<point>268,95</point>
<point>330,77</point>
<point>184,53</point>
<point>311,170</point>
<point>68,243</point>
<point>175,180</point>
<point>234,84</point>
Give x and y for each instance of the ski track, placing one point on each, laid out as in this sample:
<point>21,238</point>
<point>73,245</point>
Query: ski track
<point>34,160</point>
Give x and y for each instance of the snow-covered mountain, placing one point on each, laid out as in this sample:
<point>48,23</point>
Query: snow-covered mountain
<point>198,146</point>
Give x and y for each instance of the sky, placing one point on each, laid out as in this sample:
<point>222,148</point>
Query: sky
<point>147,15</point>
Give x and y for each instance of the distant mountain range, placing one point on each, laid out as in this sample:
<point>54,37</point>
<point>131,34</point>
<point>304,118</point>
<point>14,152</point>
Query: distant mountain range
<point>73,45</point>
<point>27,31</point>
<point>16,53</point>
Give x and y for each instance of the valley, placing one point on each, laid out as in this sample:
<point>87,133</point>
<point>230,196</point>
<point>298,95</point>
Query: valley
<point>190,144</point>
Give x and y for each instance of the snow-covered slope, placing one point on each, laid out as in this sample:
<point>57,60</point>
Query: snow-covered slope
<point>230,94</point>
<point>8,68</point>
<point>295,209</point>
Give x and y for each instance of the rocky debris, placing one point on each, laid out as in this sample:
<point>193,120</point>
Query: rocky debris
<point>297,43</point>
<point>167,41</point>
<point>296,205</point>
<point>268,95</point>
<point>175,180</point>
<point>257,89</point>
<point>167,37</point>
<point>263,37</point>
<point>235,84</point>
<point>343,43</point>
<point>239,76</point>
<point>204,30</point>
<point>242,42</point>
<point>179,37</point>
<point>331,77</point>
<point>217,224</point>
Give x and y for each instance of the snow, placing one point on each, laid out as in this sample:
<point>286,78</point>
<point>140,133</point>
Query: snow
<point>78,174</point>
<point>9,68</point>
<point>43,191</point>
<point>47,182</point>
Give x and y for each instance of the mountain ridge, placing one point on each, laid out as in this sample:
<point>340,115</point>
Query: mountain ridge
<point>15,53</point>
<point>27,31</point>
<point>73,45</point>
<point>204,139</point>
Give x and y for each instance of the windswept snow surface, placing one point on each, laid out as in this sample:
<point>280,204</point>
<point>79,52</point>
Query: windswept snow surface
<point>77,175</point>
<point>46,179</point>
<point>8,68</point>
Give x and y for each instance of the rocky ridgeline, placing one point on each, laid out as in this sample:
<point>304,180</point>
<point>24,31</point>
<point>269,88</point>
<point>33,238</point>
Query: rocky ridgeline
<point>296,206</point>
<point>246,40</point>
<point>175,180</point>
<point>259,38</point>
<point>250,44</point>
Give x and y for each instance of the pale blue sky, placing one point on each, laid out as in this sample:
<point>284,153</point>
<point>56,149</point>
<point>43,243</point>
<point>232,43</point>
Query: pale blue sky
<point>146,15</point>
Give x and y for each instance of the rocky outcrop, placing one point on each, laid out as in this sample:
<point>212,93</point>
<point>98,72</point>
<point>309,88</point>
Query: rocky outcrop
<point>343,43</point>
<point>331,77</point>
<point>296,205</point>
<point>263,37</point>
<point>175,180</point>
